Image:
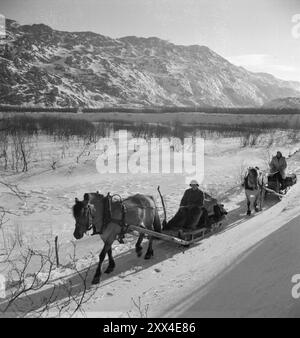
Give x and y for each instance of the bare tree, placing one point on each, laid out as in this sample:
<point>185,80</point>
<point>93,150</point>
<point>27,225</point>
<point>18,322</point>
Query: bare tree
<point>37,294</point>
<point>22,149</point>
<point>142,309</point>
<point>4,148</point>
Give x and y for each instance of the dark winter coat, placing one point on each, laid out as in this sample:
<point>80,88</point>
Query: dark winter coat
<point>278,165</point>
<point>192,197</point>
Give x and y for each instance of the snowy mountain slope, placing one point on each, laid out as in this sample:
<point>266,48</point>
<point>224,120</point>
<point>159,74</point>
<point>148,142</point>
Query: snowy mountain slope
<point>42,66</point>
<point>286,102</point>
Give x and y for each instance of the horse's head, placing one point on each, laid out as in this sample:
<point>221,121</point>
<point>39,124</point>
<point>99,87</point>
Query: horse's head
<point>83,213</point>
<point>253,172</point>
<point>252,178</point>
<point>222,209</point>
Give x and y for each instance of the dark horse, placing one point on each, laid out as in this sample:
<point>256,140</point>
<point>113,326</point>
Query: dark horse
<point>111,218</point>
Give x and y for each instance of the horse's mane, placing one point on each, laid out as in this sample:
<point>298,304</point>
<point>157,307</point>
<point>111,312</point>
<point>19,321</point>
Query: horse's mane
<point>77,207</point>
<point>107,204</point>
<point>87,197</point>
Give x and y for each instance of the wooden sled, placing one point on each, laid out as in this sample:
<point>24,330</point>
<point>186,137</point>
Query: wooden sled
<point>273,186</point>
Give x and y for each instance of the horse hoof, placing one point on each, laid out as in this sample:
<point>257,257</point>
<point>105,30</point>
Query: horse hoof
<point>257,210</point>
<point>96,280</point>
<point>248,213</point>
<point>148,255</point>
<point>139,252</point>
<point>109,270</point>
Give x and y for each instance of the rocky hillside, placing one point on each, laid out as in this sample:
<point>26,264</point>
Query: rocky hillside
<point>286,102</point>
<point>42,66</point>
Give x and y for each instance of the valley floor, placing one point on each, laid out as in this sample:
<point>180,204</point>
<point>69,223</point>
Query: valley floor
<point>243,270</point>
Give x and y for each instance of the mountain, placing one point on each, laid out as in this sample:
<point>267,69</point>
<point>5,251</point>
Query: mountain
<point>286,102</point>
<point>46,67</point>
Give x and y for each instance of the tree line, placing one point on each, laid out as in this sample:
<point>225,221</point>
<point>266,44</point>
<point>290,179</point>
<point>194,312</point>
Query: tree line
<point>158,110</point>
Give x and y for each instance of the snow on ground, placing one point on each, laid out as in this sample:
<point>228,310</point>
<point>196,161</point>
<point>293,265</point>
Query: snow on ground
<point>210,278</point>
<point>251,270</point>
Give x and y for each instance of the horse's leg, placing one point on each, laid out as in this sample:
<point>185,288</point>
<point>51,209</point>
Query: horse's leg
<point>111,264</point>
<point>138,246</point>
<point>262,197</point>
<point>256,200</point>
<point>149,252</point>
<point>102,255</point>
<point>248,205</point>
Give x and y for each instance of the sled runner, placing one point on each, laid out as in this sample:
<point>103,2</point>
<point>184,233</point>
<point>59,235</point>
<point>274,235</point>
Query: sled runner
<point>182,237</point>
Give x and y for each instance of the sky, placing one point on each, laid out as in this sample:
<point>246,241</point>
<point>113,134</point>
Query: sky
<point>260,35</point>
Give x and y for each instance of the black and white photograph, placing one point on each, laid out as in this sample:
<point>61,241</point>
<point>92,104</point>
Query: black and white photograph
<point>149,161</point>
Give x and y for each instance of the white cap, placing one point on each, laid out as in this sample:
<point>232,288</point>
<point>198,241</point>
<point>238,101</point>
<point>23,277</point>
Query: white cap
<point>194,182</point>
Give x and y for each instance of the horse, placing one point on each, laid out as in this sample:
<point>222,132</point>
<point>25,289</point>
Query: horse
<point>112,217</point>
<point>254,182</point>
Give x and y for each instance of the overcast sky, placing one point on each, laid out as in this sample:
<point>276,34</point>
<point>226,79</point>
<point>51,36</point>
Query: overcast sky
<point>256,34</point>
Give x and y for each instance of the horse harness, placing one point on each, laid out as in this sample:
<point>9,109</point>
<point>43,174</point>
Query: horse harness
<point>121,222</point>
<point>90,216</point>
<point>108,213</point>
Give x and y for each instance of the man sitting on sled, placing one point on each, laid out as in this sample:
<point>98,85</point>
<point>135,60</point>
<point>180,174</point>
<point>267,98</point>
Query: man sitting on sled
<point>278,167</point>
<point>191,209</point>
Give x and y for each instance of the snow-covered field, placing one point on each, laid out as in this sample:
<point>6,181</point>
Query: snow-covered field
<point>244,270</point>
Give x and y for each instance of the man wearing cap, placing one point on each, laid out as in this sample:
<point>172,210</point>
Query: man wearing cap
<point>192,196</point>
<point>191,206</point>
<point>278,165</point>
